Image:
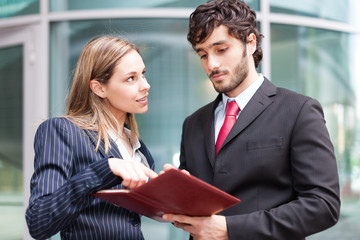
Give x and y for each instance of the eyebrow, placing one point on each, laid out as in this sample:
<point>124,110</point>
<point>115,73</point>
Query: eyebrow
<point>130,73</point>
<point>134,72</point>
<point>221,42</point>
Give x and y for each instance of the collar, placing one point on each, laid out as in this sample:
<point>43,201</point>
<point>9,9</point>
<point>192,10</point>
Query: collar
<point>127,131</point>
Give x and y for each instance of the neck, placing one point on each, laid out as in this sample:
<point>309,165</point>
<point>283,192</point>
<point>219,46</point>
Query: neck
<point>250,79</point>
<point>121,119</point>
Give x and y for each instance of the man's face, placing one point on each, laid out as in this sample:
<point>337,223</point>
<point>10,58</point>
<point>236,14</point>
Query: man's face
<point>225,61</point>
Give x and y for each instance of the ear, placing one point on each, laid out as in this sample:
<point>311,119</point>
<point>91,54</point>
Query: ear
<point>251,44</point>
<point>98,88</point>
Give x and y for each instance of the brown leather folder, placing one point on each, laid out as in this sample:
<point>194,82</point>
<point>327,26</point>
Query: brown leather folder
<point>171,192</point>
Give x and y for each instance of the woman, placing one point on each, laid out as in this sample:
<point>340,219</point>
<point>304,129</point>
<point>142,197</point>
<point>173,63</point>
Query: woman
<point>95,146</point>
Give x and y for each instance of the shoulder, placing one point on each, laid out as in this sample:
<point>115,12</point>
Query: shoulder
<point>285,97</point>
<point>291,98</point>
<point>295,104</point>
<point>287,102</point>
<point>58,131</point>
<point>282,94</point>
<point>57,125</point>
<point>205,112</point>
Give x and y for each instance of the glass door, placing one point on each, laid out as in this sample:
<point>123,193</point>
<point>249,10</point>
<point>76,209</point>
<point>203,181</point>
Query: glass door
<point>18,101</point>
<point>11,138</point>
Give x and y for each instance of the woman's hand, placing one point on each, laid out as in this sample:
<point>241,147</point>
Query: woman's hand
<point>134,174</point>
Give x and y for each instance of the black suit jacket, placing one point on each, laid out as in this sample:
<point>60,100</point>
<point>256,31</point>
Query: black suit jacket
<point>278,159</point>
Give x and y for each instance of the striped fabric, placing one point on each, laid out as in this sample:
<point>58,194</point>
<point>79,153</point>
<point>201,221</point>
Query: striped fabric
<point>67,171</point>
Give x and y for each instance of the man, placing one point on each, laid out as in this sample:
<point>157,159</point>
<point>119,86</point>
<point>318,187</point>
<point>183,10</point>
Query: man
<point>277,158</point>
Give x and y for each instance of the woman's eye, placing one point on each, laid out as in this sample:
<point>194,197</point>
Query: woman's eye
<point>222,49</point>
<point>130,79</point>
<point>203,56</point>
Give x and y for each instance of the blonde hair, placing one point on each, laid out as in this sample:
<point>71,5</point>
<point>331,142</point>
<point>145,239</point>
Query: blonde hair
<point>87,110</point>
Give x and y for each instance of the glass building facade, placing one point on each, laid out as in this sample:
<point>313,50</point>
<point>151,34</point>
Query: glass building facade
<point>310,46</point>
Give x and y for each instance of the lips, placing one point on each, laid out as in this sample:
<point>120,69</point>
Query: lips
<point>142,100</point>
<point>217,77</point>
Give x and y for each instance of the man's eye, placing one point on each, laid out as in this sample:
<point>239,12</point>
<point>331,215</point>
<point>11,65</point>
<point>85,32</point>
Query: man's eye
<point>222,50</point>
<point>203,56</point>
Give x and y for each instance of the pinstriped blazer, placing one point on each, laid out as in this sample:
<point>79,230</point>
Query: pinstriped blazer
<point>67,170</point>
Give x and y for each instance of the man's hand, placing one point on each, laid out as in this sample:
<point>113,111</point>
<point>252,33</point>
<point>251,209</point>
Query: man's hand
<point>201,228</point>
<point>134,174</point>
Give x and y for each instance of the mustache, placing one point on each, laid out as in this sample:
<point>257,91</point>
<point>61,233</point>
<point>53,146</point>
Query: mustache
<point>217,72</point>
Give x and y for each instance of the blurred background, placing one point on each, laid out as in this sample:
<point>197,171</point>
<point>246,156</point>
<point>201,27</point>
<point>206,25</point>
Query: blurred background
<point>310,46</point>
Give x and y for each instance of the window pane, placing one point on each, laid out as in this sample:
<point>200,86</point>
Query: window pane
<point>318,63</point>
<point>11,178</point>
<point>342,11</point>
<point>64,5</point>
<point>12,8</point>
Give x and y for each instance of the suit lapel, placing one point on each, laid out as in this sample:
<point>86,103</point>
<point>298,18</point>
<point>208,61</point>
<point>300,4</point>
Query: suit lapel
<point>209,130</point>
<point>257,104</point>
<point>114,151</point>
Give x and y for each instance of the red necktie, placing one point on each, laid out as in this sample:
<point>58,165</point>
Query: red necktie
<point>232,109</point>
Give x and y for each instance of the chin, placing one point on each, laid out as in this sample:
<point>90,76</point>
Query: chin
<point>221,89</point>
<point>143,110</point>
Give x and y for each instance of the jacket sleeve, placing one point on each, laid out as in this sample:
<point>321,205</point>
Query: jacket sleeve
<point>58,192</point>
<point>315,183</point>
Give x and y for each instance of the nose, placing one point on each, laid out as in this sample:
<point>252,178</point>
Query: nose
<point>144,85</point>
<point>213,63</point>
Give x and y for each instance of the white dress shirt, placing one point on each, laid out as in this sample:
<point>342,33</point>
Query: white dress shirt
<point>242,99</point>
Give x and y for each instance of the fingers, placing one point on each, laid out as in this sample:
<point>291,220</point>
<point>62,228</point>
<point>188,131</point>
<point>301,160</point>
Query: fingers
<point>168,166</point>
<point>178,218</point>
<point>186,223</point>
<point>209,228</point>
<point>134,174</point>
<point>150,173</point>
<point>185,171</point>
<point>186,227</point>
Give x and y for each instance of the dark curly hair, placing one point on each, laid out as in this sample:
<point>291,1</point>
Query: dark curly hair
<point>234,14</point>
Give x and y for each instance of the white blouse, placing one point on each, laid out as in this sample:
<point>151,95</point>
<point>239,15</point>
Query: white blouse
<point>124,153</point>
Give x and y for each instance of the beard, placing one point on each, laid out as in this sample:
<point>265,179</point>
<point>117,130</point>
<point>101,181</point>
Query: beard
<point>240,73</point>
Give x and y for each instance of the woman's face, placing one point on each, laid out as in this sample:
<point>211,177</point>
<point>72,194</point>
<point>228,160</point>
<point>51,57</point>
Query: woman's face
<point>127,90</point>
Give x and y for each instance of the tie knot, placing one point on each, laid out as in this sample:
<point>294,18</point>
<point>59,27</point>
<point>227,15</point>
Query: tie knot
<point>232,108</point>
